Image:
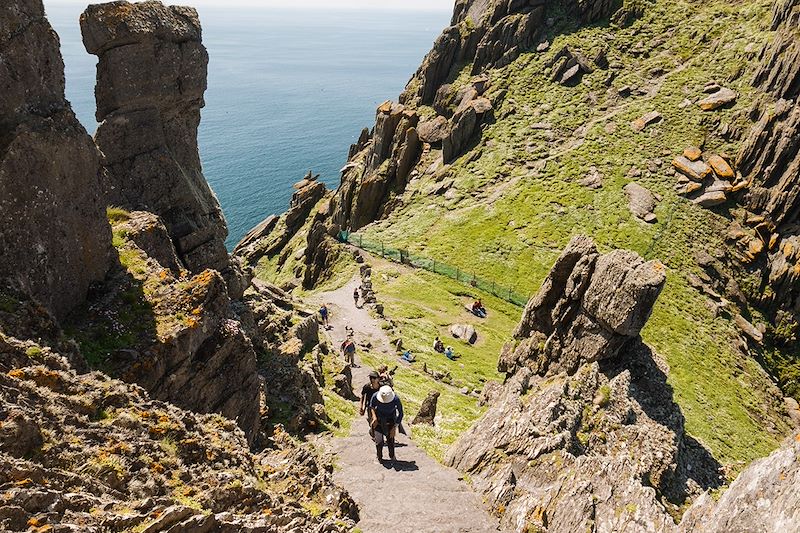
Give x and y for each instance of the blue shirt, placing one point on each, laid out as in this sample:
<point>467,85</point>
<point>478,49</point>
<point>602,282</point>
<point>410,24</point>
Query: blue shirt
<point>387,412</point>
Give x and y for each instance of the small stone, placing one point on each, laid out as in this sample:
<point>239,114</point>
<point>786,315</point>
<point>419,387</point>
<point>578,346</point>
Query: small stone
<point>645,120</point>
<point>748,329</point>
<point>543,46</point>
<point>691,187</point>
<point>692,153</point>
<point>695,170</point>
<point>720,98</point>
<point>710,199</point>
<point>650,218</point>
<point>721,167</point>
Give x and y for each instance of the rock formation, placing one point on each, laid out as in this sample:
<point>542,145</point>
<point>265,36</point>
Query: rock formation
<point>427,411</point>
<point>54,237</point>
<point>589,307</point>
<point>151,76</point>
<point>89,453</point>
<point>763,498</point>
<point>172,332</point>
<point>583,397</point>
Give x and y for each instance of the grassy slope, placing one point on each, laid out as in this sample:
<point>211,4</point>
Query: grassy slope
<point>508,221</point>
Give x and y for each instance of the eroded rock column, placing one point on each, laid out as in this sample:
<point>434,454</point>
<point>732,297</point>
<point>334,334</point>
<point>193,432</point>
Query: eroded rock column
<point>151,77</point>
<point>54,237</point>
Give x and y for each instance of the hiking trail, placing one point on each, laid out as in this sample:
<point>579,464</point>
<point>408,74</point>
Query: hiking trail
<point>417,494</point>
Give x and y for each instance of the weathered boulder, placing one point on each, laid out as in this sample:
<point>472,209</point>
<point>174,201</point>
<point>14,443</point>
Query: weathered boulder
<point>433,130</point>
<point>462,130</point>
<point>427,411</point>
<point>588,308</point>
<point>722,97</point>
<point>151,76</point>
<point>343,384</point>
<point>465,332</point>
<point>694,169</point>
<point>55,240</point>
<point>641,201</point>
<point>645,120</point>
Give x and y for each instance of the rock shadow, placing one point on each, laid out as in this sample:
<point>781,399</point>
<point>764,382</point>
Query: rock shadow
<point>649,388</point>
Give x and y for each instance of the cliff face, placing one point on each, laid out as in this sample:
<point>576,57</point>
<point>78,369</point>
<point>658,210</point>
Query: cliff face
<point>54,237</point>
<point>585,435</point>
<point>151,76</point>
<point>83,452</point>
<point>770,162</point>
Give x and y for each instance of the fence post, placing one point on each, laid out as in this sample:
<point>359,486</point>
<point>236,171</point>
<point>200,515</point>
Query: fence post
<point>433,266</point>
<point>360,243</point>
<point>456,273</point>
<point>381,248</point>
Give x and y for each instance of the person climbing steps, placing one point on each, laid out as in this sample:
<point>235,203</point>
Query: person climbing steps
<point>387,413</point>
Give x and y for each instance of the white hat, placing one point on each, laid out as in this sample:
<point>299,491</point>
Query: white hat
<point>385,394</point>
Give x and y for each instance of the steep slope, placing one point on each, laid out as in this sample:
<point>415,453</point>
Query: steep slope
<point>538,122</point>
<point>83,452</point>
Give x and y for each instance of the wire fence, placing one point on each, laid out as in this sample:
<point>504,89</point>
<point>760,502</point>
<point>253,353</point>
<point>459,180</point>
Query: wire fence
<point>432,265</point>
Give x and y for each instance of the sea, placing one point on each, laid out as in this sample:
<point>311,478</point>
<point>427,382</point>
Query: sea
<point>288,91</point>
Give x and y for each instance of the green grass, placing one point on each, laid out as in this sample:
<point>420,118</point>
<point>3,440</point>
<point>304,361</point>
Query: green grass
<point>507,222</point>
<point>422,305</point>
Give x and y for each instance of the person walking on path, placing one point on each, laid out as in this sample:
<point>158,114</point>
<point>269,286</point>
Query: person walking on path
<point>349,352</point>
<point>356,295</point>
<point>323,314</point>
<point>387,413</point>
<point>367,392</point>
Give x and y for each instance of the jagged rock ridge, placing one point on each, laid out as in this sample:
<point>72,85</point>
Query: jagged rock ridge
<point>83,452</point>
<point>583,397</point>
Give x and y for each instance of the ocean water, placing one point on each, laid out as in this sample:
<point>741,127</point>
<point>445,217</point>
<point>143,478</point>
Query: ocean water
<point>288,92</point>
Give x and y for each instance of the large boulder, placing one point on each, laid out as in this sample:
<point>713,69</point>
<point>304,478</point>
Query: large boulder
<point>55,240</point>
<point>151,76</point>
<point>588,308</point>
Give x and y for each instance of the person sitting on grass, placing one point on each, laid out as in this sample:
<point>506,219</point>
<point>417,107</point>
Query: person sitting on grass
<point>478,309</point>
<point>408,356</point>
<point>438,345</point>
<point>449,353</point>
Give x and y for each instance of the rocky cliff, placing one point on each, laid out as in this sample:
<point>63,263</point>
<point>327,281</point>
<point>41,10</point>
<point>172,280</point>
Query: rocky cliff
<point>151,76</point>
<point>585,434</point>
<point>83,452</point>
<point>54,237</point>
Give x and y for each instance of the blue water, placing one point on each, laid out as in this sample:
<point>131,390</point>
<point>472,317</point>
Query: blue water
<point>288,92</point>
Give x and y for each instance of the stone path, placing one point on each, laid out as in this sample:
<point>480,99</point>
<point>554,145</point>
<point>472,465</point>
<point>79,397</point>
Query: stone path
<point>418,494</point>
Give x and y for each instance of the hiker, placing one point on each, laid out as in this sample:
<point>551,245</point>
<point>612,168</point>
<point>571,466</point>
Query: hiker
<point>438,345</point>
<point>386,375</point>
<point>478,309</point>
<point>355,296</point>
<point>367,392</point>
<point>349,352</point>
<point>323,314</point>
<point>387,413</point>
<point>449,353</point>
<point>408,357</point>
